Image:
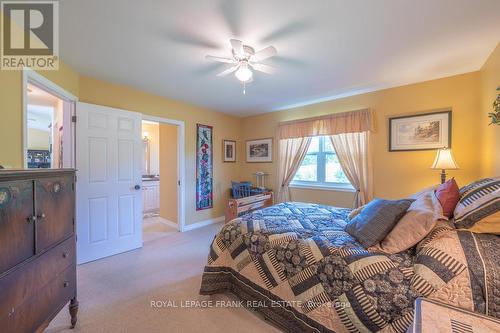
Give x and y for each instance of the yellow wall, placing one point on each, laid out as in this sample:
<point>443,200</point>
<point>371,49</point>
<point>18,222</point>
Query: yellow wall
<point>94,91</point>
<point>168,172</point>
<point>38,139</point>
<point>225,127</point>
<point>396,174</point>
<point>490,80</point>
<point>11,126</point>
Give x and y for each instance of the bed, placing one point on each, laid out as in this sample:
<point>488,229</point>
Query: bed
<point>295,264</point>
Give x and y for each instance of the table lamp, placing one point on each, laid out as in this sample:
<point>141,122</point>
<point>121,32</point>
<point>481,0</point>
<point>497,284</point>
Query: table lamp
<point>444,161</point>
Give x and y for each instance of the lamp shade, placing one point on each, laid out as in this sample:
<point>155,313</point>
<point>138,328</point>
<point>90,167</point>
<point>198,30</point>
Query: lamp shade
<point>444,160</point>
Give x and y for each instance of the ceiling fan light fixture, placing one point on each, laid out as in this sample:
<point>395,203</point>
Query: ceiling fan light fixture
<point>243,73</point>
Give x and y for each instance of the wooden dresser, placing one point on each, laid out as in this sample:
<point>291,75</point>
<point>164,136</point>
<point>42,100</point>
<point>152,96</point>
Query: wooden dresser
<point>37,248</point>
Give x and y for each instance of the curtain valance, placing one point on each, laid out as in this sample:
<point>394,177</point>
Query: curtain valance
<point>332,124</point>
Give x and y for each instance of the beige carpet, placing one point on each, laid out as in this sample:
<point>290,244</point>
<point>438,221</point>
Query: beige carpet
<point>115,293</point>
<point>155,227</point>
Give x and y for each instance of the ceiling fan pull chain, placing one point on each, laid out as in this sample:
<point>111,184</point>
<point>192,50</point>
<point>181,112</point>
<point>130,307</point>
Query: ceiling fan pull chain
<point>244,88</point>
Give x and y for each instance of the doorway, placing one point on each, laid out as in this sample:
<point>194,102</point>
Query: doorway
<point>161,178</point>
<point>48,128</point>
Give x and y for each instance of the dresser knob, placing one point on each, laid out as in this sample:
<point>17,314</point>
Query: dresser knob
<point>66,284</point>
<point>40,216</point>
<point>31,218</point>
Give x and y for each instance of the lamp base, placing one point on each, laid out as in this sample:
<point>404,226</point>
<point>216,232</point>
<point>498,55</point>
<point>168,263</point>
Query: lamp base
<point>443,176</point>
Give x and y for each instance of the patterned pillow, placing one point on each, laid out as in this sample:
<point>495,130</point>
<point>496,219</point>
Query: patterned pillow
<point>417,223</point>
<point>478,200</point>
<point>448,195</point>
<point>376,220</point>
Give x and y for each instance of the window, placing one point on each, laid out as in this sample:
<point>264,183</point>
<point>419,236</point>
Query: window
<point>321,167</point>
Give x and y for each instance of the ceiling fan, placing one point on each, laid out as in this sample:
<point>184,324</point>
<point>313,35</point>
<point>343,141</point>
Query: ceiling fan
<point>244,59</point>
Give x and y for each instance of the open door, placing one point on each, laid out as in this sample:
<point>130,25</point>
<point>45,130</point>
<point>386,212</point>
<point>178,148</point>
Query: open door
<point>109,194</point>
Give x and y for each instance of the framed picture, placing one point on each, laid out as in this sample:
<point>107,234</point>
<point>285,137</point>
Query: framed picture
<point>229,151</point>
<point>204,167</point>
<point>260,150</point>
<point>420,132</point>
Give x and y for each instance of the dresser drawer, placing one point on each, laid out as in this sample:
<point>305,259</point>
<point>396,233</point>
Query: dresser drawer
<point>32,315</point>
<point>17,230</point>
<point>54,209</point>
<point>25,282</point>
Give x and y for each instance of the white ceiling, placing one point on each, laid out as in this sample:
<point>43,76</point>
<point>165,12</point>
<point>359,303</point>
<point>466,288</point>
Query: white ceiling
<point>326,48</point>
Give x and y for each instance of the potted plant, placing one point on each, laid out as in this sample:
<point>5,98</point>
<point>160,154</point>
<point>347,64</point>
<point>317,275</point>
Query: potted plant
<point>495,115</point>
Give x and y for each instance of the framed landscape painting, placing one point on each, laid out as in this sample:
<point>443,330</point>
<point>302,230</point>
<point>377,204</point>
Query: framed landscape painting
<point>260,150</point>
<point>420,132</point>
<point>229,151</point>
<point>204,167</point>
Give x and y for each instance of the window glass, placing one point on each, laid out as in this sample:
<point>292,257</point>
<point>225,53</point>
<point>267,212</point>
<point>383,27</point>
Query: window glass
<point>321,165</point>
<point>314,147</point>
<point>333,170</point>
<point>307,170</point>
<point>328,145</point>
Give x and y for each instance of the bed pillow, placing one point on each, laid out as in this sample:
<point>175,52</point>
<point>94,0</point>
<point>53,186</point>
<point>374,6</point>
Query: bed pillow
<point>448,195</point>
<point>355,212</point>
<point>376,220</point>
<point>417,223</point>
<point>479,206</point>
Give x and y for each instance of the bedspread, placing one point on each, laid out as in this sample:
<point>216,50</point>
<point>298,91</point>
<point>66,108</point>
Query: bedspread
<point>294,263</point>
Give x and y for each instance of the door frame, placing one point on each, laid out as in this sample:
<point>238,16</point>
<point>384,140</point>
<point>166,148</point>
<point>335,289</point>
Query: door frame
<point>31,76</point>
<point>181,172</point>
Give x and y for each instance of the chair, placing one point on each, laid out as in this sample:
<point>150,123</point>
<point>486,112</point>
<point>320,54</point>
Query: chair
<point>241,189</point>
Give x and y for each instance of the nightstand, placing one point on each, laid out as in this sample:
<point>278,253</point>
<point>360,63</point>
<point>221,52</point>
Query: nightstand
<point>433,316</point>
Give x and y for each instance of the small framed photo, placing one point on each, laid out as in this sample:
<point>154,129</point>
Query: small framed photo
<point>420,132</point>
<point>229,151</point>
<point>260,151</point>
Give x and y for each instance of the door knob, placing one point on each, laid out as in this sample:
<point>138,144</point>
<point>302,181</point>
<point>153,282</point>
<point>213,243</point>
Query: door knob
<point>137,187</point>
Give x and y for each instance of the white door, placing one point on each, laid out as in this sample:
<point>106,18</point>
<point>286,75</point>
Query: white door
<point>109,198</point>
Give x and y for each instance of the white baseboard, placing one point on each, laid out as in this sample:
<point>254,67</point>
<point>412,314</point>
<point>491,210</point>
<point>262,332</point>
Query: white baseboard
<point>203,223</point>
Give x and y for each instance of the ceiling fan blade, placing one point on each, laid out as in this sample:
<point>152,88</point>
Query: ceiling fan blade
<point>220,59</point>
<point>229,70</point>
<point>237,46</point>
<point>264,68</point>
<point>263,54</point>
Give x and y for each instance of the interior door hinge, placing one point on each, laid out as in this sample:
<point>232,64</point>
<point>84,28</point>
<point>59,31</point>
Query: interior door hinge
<point>179,182</point>
<point>73,119</point>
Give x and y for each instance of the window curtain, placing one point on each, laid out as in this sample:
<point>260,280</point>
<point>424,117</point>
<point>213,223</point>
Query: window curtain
<point>353,152</point>
<point>336,123</point>
<point>291,154</point>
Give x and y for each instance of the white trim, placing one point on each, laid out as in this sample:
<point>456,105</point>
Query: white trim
<point>323,187</point>
<point>32,76</point>
<point>204,223</point>
<point>181,170</point>
<point>53,88</point>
